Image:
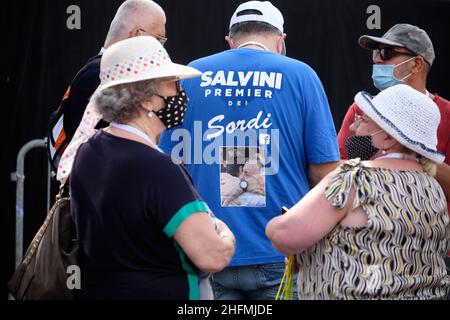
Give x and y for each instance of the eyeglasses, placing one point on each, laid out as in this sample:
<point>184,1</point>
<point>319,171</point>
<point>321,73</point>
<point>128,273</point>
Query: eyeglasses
<point>161,39</point>
<point>389,52</point>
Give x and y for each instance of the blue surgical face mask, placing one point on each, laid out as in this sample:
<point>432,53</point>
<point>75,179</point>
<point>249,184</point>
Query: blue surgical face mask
<point>383,75</point>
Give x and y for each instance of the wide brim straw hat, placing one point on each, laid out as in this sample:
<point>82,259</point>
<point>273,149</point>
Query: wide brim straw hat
<point>137,59</point>
<point>407,115</point>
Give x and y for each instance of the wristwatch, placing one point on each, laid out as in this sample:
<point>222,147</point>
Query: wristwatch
<point>243,184</point>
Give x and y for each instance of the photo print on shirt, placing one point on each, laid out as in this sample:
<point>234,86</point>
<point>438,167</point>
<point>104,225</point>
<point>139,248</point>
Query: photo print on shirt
<point>242,177</point>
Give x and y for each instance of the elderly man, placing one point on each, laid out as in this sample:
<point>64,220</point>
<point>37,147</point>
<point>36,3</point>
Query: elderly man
<point>133,18</point>
<point>264,106</point>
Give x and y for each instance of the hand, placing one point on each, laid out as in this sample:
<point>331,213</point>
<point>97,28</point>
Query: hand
<point>220,225</point>
<point>224,232</point>
<point>296,265</point>
<point>254,177</point>
<point>256,184</point>
<point>229,187</point>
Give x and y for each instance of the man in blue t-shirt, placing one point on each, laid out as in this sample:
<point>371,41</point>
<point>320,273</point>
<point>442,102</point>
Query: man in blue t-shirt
<point>257,133</point>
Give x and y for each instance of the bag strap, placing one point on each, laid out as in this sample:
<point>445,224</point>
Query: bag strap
<point>35,243</point>
<point>62,189</point>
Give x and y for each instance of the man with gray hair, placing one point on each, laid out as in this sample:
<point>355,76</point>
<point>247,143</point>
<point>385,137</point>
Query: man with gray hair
<point>133,18</point>
<point>269,135</point>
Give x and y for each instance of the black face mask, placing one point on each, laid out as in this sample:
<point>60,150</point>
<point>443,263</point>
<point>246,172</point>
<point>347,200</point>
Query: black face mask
<point>173,114</point>
<point>360,147</point>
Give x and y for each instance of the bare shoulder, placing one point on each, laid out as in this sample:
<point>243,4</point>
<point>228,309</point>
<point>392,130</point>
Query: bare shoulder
<point>394,164</point>
<point>328,177</point>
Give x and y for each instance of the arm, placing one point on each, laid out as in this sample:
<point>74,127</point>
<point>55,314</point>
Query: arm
<point>307,222</point>
<point>317,172</point>
<point>443,177</point>
<point>208,249</point>
<point>345,131</point>
<point>319,134</point>
<point>230,189</point>
<point>82,88</point>
<point>256,184</point>
<point>182,215</point>
<point>443,169</point>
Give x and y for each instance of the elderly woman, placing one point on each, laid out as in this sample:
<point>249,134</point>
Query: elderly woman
<point>144,231</point>
<point>375,229</point>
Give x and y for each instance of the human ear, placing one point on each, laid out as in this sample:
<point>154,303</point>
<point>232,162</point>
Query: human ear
<point>389,142</point>
<point>229,41</point>
<point>147,106</point>
<point>135,32</point>
<point>419,65</point>
<point>281,44</point>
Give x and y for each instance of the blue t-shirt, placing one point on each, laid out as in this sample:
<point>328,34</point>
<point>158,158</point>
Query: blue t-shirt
<point>255,121</point>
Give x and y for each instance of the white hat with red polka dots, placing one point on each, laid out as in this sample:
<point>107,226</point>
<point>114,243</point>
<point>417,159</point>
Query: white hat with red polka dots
<point>137,59</point>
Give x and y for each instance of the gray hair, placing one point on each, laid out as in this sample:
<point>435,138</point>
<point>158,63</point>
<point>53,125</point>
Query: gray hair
<point>252,27</point>
<point>129,15</point>
<point>121,103</point>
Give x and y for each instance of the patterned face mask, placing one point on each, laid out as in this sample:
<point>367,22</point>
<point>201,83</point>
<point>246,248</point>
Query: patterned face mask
<point>173,114</point>
<point>361,147</point>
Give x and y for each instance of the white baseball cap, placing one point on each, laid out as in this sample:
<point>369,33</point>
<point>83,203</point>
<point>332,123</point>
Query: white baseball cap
<point>264,11</point>
<point>139,58</point>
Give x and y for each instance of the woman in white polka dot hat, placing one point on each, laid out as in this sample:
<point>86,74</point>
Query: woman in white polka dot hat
<point>376,229</point>
<point>144,231</point>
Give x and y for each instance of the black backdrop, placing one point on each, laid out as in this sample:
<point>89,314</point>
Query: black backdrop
<point>39,56</point>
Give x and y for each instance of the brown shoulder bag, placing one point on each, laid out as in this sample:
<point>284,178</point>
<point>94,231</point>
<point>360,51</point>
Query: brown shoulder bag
<point>42,275</point>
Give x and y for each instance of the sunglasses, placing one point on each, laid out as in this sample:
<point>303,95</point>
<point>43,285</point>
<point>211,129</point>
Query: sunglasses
<point>389,52</point>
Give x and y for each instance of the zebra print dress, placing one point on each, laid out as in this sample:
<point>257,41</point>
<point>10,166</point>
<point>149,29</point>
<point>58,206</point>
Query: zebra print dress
<point>398,255</point>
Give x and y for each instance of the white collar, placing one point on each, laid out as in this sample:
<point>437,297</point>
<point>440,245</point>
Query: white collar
<point>397,155</point>
<point>135,131</point>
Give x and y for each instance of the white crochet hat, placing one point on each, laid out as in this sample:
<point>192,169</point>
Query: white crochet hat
<point>409,116</point>
<point>139,58</point>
